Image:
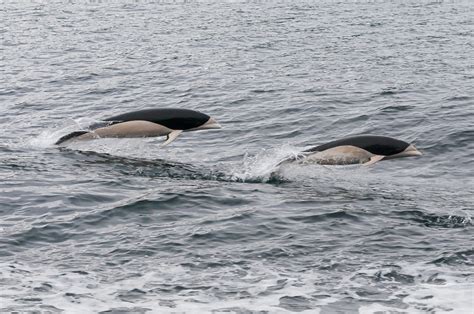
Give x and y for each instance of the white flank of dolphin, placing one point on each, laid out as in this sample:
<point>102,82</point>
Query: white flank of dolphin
<point>340,155</point>
<point>128,129</point>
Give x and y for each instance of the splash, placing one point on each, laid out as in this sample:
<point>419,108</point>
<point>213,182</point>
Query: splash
<point>266,167</point>
<point>263,166</point>
<point>48,138</point>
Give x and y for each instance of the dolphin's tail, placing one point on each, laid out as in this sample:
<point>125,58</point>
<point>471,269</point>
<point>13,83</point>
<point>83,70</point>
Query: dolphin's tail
<point>91,127</point>
<point>70,136</point>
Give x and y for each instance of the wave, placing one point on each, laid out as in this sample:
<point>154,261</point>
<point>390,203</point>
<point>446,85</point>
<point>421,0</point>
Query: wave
<point>436,220</point>
<point>458,258</point>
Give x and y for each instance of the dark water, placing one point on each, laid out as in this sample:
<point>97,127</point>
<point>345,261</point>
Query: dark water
<point>120,226</point>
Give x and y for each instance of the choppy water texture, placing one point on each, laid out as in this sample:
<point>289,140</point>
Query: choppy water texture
<point>119,226</point>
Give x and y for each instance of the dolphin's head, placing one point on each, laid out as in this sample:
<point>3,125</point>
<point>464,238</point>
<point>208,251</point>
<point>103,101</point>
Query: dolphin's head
<point>410,150</point>
<point>211,123</point>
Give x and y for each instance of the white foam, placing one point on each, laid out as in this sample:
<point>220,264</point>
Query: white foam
<point>453,297</point>
<point>259,286</point>
<point>79,293</point>
<point>449,298</point>
<point>261,165</point>
<point>453,293</point>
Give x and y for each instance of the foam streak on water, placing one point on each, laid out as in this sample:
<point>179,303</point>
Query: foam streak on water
<point>210,223</point>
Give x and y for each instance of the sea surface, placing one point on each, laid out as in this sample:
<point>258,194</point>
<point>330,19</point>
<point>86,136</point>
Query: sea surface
<point>210,223</point>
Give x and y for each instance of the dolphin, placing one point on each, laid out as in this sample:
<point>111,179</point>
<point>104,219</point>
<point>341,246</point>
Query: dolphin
<point>167,122</point>
<point>361,149</point>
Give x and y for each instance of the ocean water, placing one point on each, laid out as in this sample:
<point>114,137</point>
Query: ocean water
<point>202,225</point>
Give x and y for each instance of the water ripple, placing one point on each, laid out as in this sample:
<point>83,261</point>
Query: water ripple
<point>210,223</point>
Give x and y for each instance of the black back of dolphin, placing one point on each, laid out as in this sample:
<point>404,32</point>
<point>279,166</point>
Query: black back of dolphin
<point>377,145</point>
<point>176,119</point>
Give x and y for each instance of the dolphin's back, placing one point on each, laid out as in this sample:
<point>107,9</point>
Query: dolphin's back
<point>176,119</point>
<point>377,145</point>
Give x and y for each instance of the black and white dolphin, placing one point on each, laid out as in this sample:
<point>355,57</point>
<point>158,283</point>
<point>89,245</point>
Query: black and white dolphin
<point>146,123</point>
<point>361,149</point>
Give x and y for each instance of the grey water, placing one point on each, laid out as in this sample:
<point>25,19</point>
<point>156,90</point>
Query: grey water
<point>208,223</point>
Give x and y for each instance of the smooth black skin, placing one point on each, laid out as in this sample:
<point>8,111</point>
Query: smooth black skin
<point>377,145</point>
<point>69,136</point>
<point>176,119</point>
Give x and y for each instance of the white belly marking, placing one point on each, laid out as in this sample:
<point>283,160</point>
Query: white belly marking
<point>128,129</point>
<point>341,155</point>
